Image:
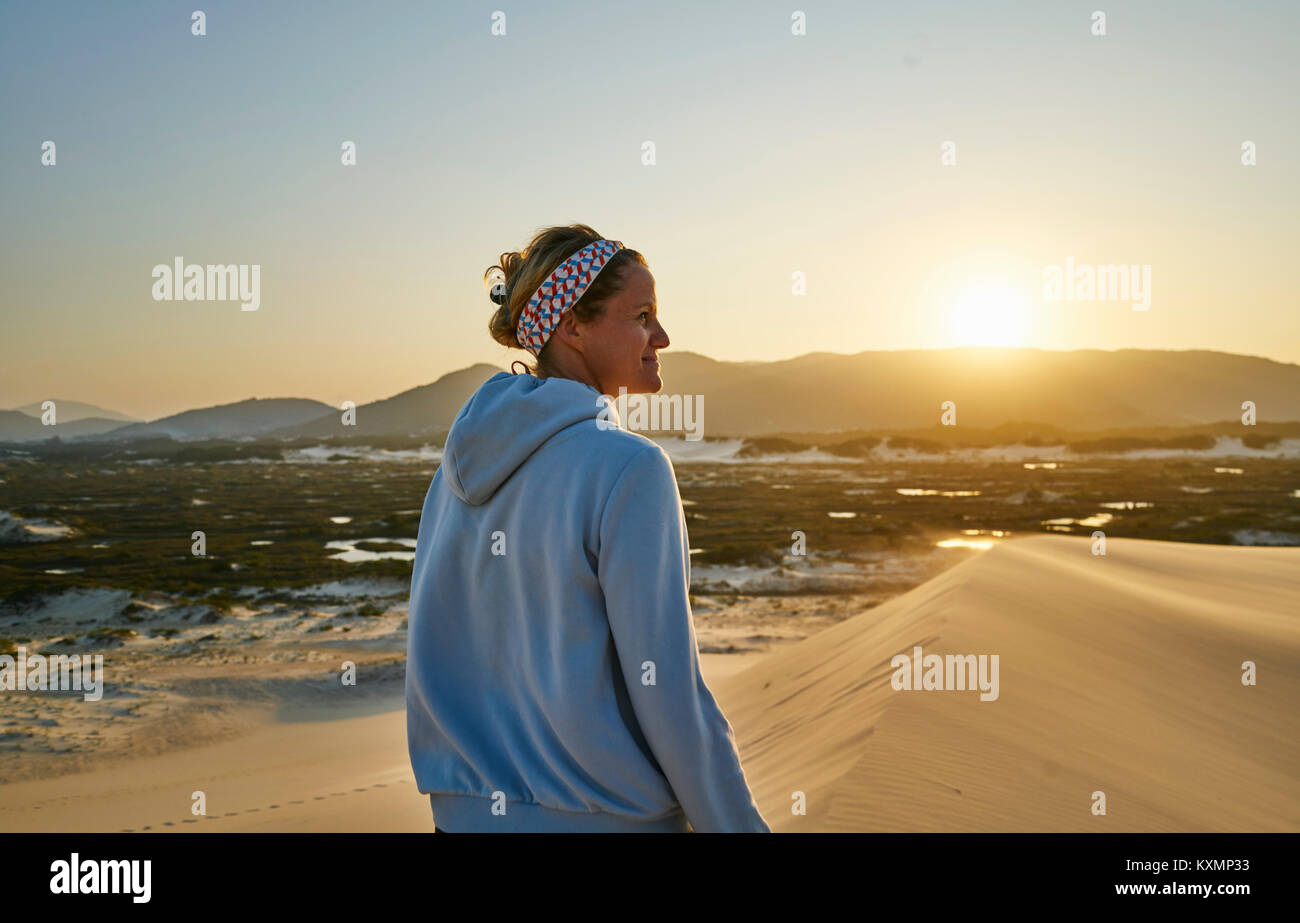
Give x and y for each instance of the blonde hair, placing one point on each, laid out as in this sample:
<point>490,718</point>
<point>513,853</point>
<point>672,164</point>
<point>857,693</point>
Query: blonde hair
<point>525,270</point>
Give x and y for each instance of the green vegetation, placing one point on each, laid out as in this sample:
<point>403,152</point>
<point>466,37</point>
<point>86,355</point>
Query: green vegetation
<point>227,452</point>
<point>112,634</point>
<point>930,446</point>
<point>740,553</point>
<point>1037,434</point>
<point>1132,443</point>
<point>145,514</point>
<point>220,600</point>
<point>854,448</point>
<point>381,546</point>
<point>770,445</point>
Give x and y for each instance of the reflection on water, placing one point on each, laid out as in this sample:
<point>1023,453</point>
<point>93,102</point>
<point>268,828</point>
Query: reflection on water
<point>1229,471</point>
<point>980,539</point>
<point>1128,505</point>
<point>1063,525</point>
<point>349,552</point>
<point>928,492</point>
<point>842,515</point>
<point>1048,465</point>
<point>340,520</point>
<point>979,543</point>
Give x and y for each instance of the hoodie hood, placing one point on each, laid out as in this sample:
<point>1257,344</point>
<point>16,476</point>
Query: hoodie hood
<point>504,422</point>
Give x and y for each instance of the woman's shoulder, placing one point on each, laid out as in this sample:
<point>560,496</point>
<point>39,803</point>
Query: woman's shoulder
<point>609,448</point>
<point>616,439</point>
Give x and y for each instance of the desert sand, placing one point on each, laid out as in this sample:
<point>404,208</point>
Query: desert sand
<point>1118,674</point>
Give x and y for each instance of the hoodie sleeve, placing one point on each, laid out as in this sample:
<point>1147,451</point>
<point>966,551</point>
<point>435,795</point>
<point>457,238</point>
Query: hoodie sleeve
<point>643,568</point>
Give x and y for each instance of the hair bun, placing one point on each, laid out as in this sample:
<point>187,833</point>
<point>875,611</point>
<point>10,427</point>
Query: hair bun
<point>496,279</point>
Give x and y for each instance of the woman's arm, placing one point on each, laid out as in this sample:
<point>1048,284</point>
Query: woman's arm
<point>644,566</point>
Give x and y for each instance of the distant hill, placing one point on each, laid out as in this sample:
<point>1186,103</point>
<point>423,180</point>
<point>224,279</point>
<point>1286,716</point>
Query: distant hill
<point>16,426</point>
<point>72,411</point>
<point>1081,389</point>
<point>427,409</point>
<point>252,417</point>
<point>821,392</point>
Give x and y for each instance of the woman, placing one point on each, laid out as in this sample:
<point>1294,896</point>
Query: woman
<point>552,678</point>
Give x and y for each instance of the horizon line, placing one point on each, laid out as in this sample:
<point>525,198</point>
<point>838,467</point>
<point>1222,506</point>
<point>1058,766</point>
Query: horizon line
<point>688,352</point>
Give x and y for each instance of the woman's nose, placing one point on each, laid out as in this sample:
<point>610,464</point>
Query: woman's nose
<point>660,339</point>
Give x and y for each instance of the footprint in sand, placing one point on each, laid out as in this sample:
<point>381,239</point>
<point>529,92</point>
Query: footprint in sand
<point>273,807</point>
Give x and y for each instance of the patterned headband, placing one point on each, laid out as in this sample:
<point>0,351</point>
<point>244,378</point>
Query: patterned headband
<point>561,291</point>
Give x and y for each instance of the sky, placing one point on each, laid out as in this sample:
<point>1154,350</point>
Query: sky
<point>775,154</point>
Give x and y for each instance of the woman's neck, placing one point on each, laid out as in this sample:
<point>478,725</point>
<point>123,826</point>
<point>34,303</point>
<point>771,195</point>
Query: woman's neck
<point>567,365</point>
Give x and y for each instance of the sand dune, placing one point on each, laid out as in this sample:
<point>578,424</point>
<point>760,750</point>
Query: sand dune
<point>281,774</point>
<point>1119,674</point>
<point>345,775</point>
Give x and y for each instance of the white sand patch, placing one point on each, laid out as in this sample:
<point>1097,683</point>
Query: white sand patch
<point>69,607</point>
<point>321,454</point>
<point>703,450</point>
<point>15,530</point>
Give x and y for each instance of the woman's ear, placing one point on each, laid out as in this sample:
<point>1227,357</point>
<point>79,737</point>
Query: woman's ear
<point>570,331</point>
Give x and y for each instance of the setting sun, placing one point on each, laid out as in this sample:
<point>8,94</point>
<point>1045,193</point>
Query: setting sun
<point>989,313</point>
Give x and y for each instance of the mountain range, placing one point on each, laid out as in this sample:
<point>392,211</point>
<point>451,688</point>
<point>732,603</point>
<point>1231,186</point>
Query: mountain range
<point>817,392</point>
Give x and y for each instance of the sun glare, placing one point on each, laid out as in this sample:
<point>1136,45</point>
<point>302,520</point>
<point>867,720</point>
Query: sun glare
<point>989,313</point>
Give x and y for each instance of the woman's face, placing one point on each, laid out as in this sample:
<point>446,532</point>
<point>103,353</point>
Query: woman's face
<point>621,346</point>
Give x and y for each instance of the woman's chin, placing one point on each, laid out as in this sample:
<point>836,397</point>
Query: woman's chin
<point>648,382</point>
<point>650,378</point>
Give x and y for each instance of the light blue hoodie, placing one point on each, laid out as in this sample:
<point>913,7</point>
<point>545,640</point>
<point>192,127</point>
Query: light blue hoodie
<point>552,678</point>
